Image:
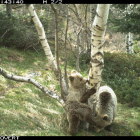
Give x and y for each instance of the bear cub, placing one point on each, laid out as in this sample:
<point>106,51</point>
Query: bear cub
<point>105,108</point>
<point>77,109</point>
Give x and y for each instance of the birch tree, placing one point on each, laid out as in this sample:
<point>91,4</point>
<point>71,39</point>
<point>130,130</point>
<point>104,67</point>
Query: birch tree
<point>97,40</point>
<point>129,43</point>
<point>129,36</point>
<point>46,48</point>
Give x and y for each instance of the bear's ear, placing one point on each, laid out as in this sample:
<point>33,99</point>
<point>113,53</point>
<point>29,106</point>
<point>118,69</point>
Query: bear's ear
<point>71,78</point>
<point>105,117</point>
<point>73,71</point>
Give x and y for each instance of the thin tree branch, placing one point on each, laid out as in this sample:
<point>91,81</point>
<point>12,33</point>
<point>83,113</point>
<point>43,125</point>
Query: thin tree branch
<point>79,19</point>
<point>63,94</point>
<point>65,69</point>
<point>70,46</point>
<point>35,83</point>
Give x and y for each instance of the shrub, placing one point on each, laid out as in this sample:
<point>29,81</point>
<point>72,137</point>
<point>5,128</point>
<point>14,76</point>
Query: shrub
<point>121,73</point>
<point>18,33</point>
<point>83,62</point>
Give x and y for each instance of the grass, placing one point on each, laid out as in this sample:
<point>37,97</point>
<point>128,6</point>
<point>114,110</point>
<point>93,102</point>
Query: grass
<point>26,111</point>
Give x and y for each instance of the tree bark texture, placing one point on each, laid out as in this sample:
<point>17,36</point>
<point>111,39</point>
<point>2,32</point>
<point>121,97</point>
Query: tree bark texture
<point>97,40</point>
<point>42,37</point>
<point>129,43</point>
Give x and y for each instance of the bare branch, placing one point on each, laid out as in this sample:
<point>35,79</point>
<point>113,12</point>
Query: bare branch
<point>70,45</point>
<point>35,83</point>
<point>88,32</point>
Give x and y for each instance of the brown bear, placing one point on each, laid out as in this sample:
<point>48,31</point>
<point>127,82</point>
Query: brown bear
<point>76,108</point>
<point>105,110</point>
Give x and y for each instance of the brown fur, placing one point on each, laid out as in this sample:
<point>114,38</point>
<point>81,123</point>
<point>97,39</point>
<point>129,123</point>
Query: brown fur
<point>86,95</point>
<point>76,109</point>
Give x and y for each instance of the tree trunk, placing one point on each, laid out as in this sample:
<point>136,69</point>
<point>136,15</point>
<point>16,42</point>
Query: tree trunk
<point>97,39</point>
<point>91,19</point>
<point>42,38</point>
<point>129,43</point>
<point>78,43</point>
<point>9,10</point>
<point>65,69</point>
<point>46,47</point>
<point>56,36</point>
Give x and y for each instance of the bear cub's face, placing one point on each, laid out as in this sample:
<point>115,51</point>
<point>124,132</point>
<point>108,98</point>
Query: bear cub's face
<point>102,120</point>
<point>76,79</point>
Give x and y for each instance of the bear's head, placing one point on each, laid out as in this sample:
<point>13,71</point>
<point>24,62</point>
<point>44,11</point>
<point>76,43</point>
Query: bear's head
<point>102,120</point>
<point>77,80</point>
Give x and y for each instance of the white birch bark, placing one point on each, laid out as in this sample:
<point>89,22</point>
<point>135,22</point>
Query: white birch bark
<point>42,37</point>
<point>97,40</point>
<point>130,43</point>
<point>127,42</point>
<point>129,36</point>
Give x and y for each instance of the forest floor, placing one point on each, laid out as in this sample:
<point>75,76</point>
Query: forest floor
<point>26,111</point>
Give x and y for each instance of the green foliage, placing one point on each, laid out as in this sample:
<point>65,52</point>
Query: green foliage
<point>26,111</point>
<point>121,72</point>
<point>19,32</point>
<point>14,33</point>
<point>83,61</point>
<point>125,22</point>
<point>136,47</point>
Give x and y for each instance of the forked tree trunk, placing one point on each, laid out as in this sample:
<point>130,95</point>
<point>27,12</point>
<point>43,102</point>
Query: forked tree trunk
<point>97,40</point>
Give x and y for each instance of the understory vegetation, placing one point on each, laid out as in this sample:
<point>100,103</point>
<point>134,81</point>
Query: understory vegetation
<point>26,111</point>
